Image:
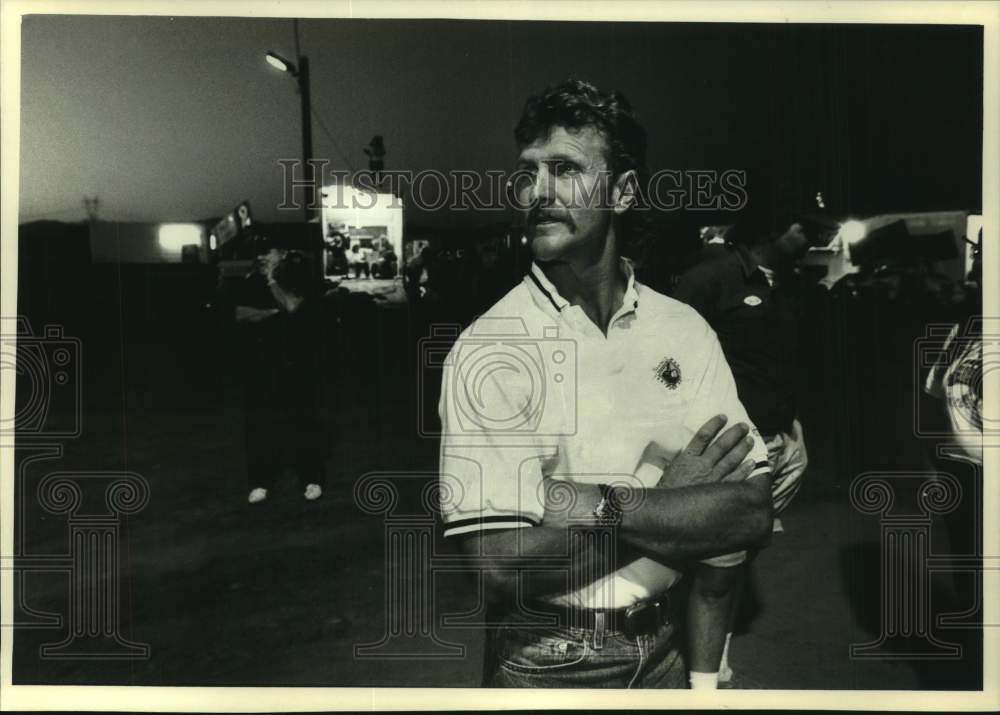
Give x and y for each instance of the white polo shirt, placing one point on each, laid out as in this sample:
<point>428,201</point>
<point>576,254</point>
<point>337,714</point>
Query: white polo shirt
<point>533,393</point>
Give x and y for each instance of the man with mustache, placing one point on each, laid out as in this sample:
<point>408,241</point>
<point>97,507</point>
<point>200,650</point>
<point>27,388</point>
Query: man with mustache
<point>582,469</point>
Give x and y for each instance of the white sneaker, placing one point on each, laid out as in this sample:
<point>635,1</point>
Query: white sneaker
<point>313,492</point>
<point>257,495</point>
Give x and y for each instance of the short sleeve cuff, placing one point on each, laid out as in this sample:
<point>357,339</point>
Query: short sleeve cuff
<point>726,560</point>
<point>759,468</point>
<point>487,523</point>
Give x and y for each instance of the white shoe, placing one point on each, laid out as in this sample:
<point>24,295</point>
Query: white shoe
<point>313,492</point>
<point>257,495</point>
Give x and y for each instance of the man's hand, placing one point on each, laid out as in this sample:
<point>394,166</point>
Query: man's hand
<point>705,461</point>
<point>267,263</point>
<point>795,448</point>
<point>247,314</point>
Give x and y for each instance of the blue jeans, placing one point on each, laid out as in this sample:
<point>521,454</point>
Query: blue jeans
<point>532,656</point>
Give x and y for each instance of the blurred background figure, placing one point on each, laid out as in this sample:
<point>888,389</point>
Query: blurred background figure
<point>336,254</point>
<point>358,258</point>
<point>743,287</point>
<point>384,261</point>
<point>415,274</point>
<point>279,311</point>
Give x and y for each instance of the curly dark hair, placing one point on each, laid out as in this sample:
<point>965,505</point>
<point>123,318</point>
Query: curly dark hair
<point>575,104</point>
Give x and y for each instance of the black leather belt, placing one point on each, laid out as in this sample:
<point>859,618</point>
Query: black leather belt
<point>640,619</point>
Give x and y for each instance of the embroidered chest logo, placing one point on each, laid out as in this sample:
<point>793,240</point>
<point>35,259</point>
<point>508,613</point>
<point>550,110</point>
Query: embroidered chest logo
<point>669,373</point>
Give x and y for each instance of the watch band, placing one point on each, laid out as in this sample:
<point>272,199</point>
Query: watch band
<point>608,511</point>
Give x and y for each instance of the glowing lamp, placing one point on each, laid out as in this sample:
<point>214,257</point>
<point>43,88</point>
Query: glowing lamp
<point>852,231</point>
<point>174,236</point>
<point>279,62</point>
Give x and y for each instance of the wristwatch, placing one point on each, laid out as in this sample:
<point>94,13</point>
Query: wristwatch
<point>608,511</point>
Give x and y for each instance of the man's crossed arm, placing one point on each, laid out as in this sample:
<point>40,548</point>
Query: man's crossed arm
<point>718,511</point>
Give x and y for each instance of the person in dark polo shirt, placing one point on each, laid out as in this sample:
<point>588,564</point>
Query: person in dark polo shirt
<point>741,288</point>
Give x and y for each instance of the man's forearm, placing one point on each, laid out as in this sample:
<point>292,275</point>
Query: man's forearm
<point>248,314</point>
<point>540,560</point>
<point>672,524</point>
<point>700,521</point>
<point>289,301</point>
<point>708,615</point>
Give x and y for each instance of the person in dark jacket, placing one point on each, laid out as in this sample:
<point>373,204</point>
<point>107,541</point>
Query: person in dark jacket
<point>741,287</point>
<point>279,313</point>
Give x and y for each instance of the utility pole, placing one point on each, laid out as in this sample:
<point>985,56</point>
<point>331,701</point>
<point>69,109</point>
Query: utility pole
<point>300,71</point>
<point>307,142</point>
<point>91,206</point>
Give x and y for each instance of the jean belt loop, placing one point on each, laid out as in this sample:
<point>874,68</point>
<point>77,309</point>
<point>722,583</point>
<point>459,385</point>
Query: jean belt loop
<point>599,630</point>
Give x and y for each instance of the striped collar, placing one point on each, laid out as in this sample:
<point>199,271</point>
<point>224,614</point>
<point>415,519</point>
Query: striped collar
<point>547,297</point>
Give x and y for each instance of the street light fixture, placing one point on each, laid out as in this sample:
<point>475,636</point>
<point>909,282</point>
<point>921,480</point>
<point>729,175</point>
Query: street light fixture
<point>301,74</point>
<point>279,62</point>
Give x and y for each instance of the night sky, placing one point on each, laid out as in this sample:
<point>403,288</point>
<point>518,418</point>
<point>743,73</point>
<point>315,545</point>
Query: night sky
<point>174,119</point>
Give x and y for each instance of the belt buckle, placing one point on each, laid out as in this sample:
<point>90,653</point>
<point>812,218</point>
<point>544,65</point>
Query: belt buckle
<point>642,618</point>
